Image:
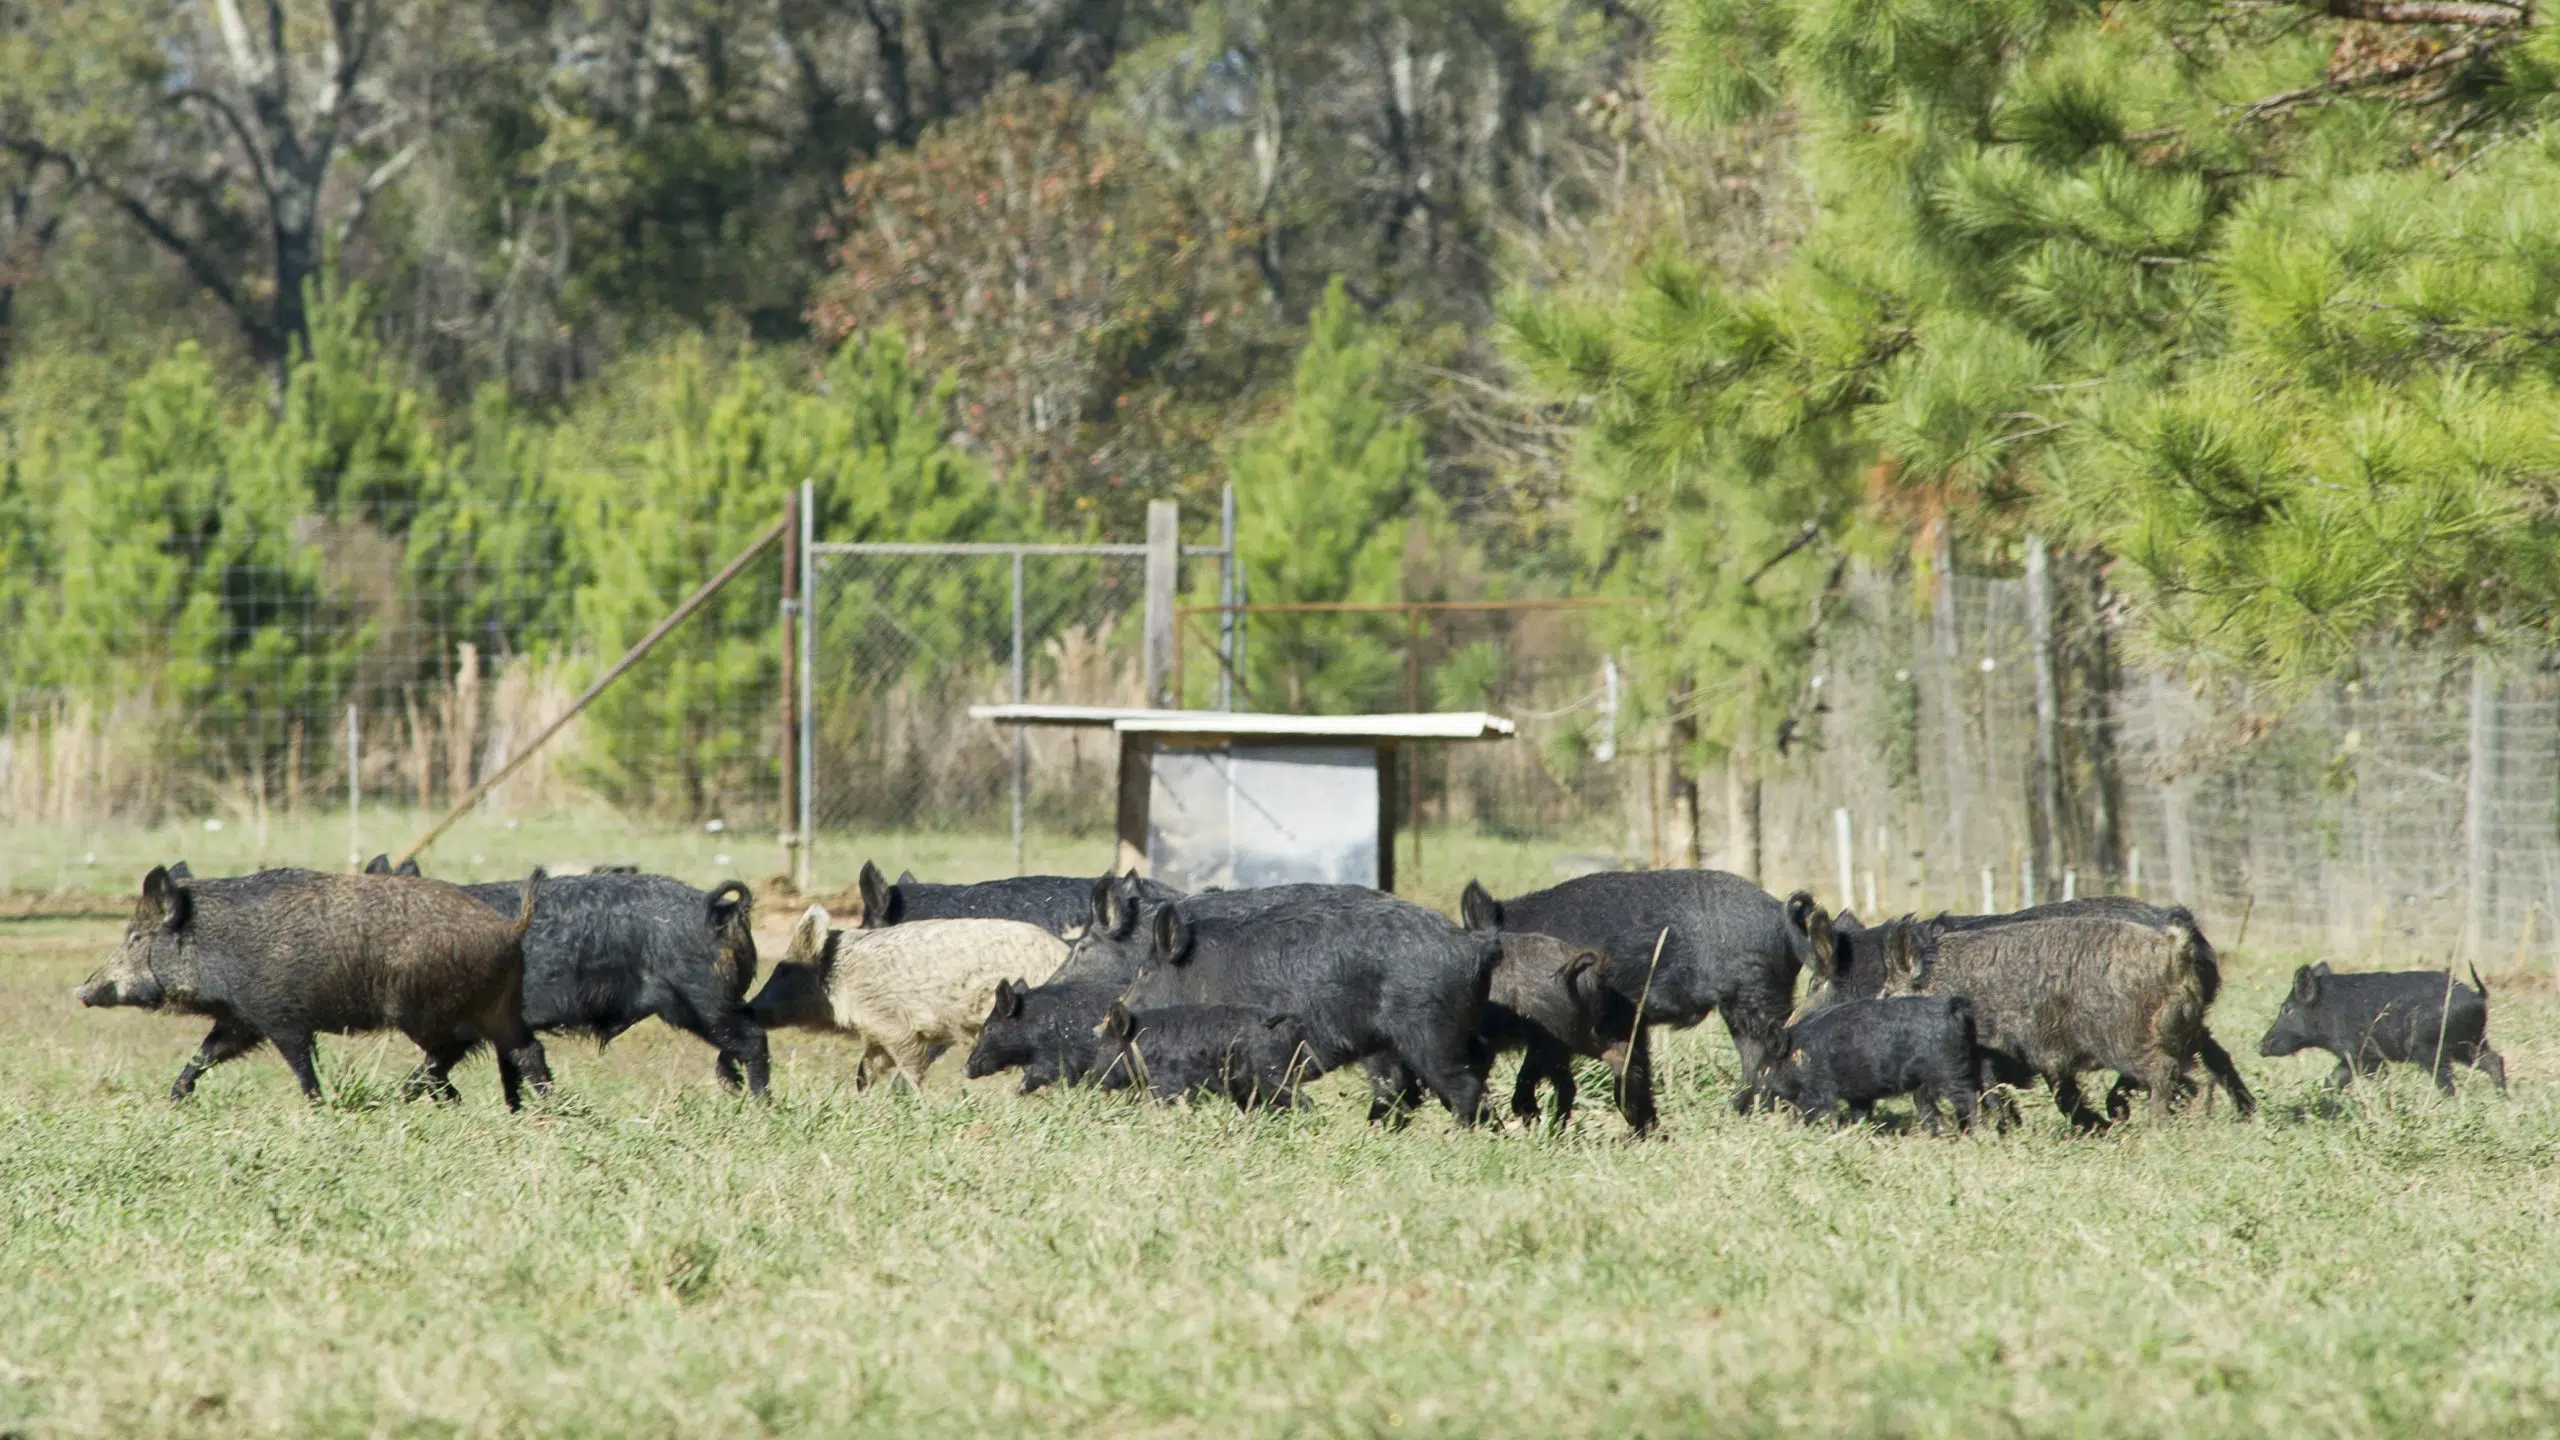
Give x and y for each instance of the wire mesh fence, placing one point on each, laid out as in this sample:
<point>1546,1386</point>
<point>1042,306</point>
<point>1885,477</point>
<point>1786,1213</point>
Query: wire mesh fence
<point>2404,813</point>
<point>192,679</point>
<point>905,639</point>
<point>178,678</point>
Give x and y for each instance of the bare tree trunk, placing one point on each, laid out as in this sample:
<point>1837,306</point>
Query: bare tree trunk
<point>1684,847</point>
<point>2044,815</point>
<point>1742,792</point>
<point>2098,680</point>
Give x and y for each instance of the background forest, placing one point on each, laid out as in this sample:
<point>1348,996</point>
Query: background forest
<point>2230,321</point>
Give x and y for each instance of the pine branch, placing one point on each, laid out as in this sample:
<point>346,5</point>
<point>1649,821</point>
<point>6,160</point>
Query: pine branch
<point>2429,12</point>
<point>2443,60</point>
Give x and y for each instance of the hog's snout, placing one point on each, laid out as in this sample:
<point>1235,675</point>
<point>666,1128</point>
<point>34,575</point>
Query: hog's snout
<point>99,990</point>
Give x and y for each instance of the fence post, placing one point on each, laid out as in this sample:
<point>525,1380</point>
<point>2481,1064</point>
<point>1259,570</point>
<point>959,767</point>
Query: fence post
<point>1164,574</point>
<point>806,822</point>
<point>355,792</point>
<point>1018,738</point>
<point>1227,569</point>
<point>2480,793</point>
<point>787,806</point>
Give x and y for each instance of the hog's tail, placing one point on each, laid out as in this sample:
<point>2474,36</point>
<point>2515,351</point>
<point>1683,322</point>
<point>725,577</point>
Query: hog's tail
<point>2480,985</point>
<point>524,916</point>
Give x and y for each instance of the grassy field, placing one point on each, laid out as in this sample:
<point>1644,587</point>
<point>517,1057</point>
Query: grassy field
<point>644,1256</point>
<point>110,860</point>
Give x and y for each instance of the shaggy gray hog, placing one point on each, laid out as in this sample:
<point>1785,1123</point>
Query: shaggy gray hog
<point>283,955</point>
<point>2062,995</point>
<point>909,992</point>
<point>2409,1017</point>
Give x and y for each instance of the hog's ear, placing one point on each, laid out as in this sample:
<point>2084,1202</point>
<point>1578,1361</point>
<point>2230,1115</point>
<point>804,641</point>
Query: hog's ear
<point>1117,1023</point>
<point>1846,923</point>
<point>1585,977</point>
<point>1008,1000</point>
<point>1477,909</point>
<point>409,868</point>
<point>906,877</point>
<point>2306,985</point>
<point>2322,969</point>
<point>1173,936</point>
<point>1901,957</point>
<point>808,937</point>
<point>180,871</point>
<point>152,905</point>
<point>177,903</point>
<point>378,865</point>
<point>874,887</point>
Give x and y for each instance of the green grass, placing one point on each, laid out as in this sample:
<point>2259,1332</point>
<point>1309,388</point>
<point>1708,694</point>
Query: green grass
<point>646,1256</point>
<point>110,860</point>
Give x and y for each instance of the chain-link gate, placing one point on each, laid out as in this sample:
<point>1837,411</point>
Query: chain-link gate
<point>901,639</point>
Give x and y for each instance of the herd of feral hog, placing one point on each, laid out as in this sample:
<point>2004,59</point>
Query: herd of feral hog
<point>1249,994</point>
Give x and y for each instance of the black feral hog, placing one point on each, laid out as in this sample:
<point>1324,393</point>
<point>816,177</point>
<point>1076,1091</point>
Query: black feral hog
<point>609,951</point>
<point>2407,1017</point>
<point>1862,1051</point>
<point>2057,996</point>
<point>1726,947</point>
<point>1547,1000</point>
<point>1256,1060</point>
<point>1055,903</point>
<point>1118,931</point>
<point>1376,979</point>
<point>283,955</point>
<point>1045,1030</point>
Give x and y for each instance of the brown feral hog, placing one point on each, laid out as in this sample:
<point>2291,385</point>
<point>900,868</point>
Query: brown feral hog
<point>908,992</point>
<point>285,954</point>
<point>2059,996</point>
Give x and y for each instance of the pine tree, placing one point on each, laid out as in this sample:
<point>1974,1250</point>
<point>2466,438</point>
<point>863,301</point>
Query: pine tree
<point>2252,296</point>
<point>1325,494</point>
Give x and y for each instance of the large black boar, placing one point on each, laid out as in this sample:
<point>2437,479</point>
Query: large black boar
<point>1256,1060</point>
<point>609,951</point>
<point>2408,1017</point>
<point>1726,947</point>
<point>2056,996</point>
<point>1055,903</point>
<point>283,955</point>
<point>1375,979</point>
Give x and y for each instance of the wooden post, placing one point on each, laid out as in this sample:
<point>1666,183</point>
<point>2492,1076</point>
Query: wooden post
<point>1137,776</point>
<point>1413,706</point>
<point>1164,575</point>
<point>787,794</point>
<point>1387,816</point>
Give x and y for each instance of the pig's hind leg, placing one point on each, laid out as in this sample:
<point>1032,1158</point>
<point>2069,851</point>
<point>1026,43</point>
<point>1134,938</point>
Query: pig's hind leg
<point>295,1047</point>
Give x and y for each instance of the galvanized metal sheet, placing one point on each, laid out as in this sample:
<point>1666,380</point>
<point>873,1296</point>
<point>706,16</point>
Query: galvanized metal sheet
<point>1245,815</point>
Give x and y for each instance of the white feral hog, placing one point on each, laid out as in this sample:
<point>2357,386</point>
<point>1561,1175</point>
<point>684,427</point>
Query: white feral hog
<point>908,992</point>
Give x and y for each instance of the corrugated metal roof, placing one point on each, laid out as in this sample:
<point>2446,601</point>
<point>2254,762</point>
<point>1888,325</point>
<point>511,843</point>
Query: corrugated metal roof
<point>1443,725</point>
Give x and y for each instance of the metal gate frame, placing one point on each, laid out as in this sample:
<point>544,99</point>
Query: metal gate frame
<point>1163,553</point>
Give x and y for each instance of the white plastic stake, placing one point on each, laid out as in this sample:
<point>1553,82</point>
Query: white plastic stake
<point>1840,827</point>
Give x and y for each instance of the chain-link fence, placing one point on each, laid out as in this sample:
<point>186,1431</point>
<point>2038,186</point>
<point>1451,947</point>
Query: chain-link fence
<point>184,674</point>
